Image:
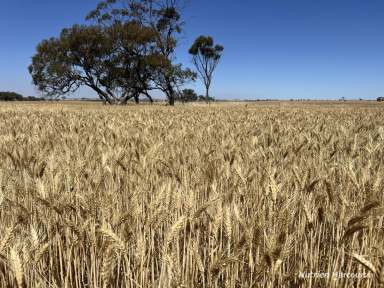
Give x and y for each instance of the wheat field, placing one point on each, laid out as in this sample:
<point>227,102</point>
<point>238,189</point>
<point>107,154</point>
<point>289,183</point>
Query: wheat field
<point>224,195</point>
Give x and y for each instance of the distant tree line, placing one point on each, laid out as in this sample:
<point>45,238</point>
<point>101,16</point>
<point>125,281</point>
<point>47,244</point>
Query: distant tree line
<point>127,51</point>
<point>12,96</point>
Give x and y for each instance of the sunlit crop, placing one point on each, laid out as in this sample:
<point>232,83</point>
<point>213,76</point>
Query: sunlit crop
<point>221,195</point>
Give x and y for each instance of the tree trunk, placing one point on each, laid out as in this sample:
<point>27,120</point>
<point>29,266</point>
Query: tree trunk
<point>170,95</point>
<point>171,101</point>
<point>102,95</point>
<point>137,99</point>
<point>107,100</point>
<point>149,97</point>
<point>207,93</point>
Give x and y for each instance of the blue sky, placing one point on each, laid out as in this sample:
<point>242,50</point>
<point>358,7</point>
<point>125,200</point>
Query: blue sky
<point>273,48</point>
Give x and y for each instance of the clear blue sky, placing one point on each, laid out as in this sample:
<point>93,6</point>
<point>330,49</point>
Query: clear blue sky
<point>273,48</point>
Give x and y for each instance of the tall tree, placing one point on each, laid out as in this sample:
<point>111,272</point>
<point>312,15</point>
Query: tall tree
<point>206,56</point>
<point>163,17</point>
<point>116,62</point>
<point>62,65</point>
<point>136,58</point>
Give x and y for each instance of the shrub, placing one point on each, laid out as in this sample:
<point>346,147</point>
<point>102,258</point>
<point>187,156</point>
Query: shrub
<point>187,95</point>
<point>209,99</point>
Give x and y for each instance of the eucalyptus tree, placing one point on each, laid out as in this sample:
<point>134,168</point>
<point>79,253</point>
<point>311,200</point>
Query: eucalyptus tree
<point>136,61</point>
<point>165,19</point>
<point>116,62</point>
<point>206,56</point>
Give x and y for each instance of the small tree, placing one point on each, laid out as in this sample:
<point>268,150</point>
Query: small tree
<point>206,57</point>
<point>188,95</point>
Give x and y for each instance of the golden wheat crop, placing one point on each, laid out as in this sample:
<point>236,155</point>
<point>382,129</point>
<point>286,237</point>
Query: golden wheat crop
<point>221,195</point>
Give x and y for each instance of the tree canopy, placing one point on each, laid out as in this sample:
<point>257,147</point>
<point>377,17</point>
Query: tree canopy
<point>115,61</point>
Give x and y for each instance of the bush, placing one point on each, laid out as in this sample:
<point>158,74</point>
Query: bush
<point>187,95</point>
<point>380,99</point>
<point>33,98</point>
<point>209,99</point>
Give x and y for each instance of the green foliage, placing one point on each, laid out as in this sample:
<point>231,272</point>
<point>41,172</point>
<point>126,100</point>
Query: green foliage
<point>204,45</point>
<point>61,65</point>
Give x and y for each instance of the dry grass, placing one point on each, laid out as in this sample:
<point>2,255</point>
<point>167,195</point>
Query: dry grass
<point>226,195</point>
